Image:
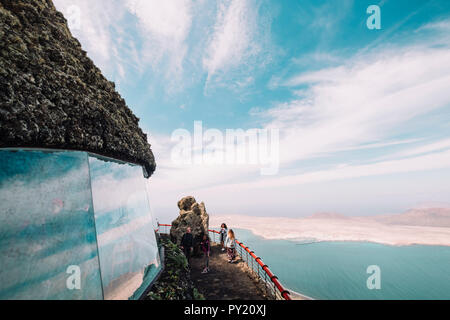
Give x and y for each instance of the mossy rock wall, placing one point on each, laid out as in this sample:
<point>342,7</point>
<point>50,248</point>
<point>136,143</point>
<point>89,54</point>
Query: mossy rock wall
<point>53,96</point>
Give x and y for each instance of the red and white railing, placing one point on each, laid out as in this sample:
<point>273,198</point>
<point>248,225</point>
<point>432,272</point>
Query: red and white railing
<point>272,284</point>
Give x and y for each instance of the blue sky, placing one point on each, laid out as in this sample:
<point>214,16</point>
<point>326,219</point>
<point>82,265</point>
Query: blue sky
<point>363,115</point>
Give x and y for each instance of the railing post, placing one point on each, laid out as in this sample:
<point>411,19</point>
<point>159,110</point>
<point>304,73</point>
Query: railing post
<point>274,290</point>
<point>258,272</point>
<point>240,251</point>
<point>265,284</point>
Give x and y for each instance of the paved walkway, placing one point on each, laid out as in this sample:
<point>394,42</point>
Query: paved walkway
<point>225,281</point>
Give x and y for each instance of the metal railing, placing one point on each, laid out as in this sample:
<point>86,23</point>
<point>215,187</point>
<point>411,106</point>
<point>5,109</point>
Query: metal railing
<point>163,228</point>
<point>271,283</point>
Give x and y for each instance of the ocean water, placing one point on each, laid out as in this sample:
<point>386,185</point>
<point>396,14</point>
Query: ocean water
<point>338,270</point>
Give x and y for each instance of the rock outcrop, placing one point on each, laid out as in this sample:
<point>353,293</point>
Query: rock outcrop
<point>192,214</point>
<point>53,96</point>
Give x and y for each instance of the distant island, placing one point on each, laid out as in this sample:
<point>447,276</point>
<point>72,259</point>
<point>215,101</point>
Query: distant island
<point>426,226</point>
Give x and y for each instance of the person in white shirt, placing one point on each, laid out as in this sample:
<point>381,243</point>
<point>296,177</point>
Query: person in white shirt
<point>230,244</point>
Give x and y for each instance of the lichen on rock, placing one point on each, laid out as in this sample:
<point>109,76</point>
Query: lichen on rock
<point>53,96</point>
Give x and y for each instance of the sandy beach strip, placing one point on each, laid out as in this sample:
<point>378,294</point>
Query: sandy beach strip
<point>360,229</point>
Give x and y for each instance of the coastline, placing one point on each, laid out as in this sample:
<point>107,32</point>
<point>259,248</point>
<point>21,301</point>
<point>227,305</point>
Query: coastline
<point>298,296</point>
<point>331,229</point>
<point>311,230</point>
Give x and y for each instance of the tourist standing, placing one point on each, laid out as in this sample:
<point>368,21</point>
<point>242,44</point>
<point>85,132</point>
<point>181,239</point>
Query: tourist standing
<point>206,248</point>
<point>230,244</point>
<point>223,235</point>
<point>187,244</point>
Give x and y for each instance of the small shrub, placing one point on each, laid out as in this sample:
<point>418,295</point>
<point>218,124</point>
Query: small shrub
<point>175,282</point>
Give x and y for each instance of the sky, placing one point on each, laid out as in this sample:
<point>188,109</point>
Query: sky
<point>357,120</point>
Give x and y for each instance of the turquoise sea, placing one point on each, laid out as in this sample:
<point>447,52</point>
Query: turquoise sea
<point>338,270</point>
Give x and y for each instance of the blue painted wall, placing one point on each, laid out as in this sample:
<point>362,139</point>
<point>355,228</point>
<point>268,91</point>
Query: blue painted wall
<point>62,209</point>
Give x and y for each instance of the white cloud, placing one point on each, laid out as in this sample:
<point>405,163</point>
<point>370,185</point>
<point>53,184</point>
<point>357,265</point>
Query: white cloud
<point>235,38</point>
<point>170,20</point>
<point>112,40</point>
<point>358,106</point>
<point>172,38</point>
<point>165,25</point>
<point>442,25</point>
<point>380,145</point>
<point>423,149</point>
<point>439,160</point>
<point>96,30</point>
<point>367,100</point>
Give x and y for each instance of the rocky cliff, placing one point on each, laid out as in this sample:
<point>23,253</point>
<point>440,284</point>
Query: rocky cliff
<point>193,215</point>
<point>53,96</point>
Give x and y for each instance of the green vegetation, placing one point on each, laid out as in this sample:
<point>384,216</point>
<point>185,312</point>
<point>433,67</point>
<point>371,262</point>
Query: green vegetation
<point>175,282</point>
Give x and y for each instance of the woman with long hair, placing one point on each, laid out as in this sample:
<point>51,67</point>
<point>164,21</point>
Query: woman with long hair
<point>231,246</point>
<point>223,235</point>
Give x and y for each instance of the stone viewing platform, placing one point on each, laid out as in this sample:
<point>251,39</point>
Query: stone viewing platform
<point>226,281</point>
<point>247,278</point>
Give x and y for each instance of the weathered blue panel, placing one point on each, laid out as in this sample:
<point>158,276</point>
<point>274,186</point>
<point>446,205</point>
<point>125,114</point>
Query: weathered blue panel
<point>129,257</point>
<point>46,226</point>
<point>66,210</point>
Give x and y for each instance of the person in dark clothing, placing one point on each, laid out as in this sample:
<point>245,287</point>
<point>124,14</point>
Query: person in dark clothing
<point>187,244</point>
